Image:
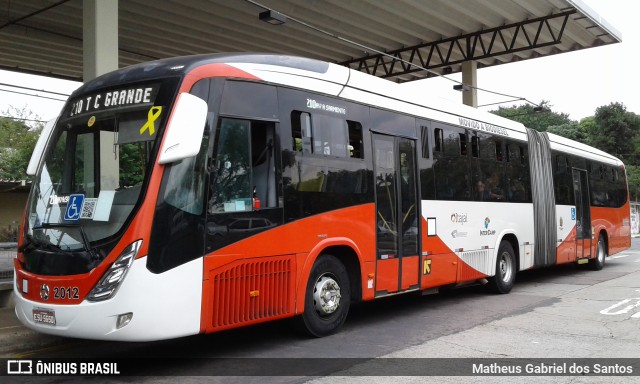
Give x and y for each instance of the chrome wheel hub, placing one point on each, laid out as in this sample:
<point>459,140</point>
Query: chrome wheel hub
<point>506,267</point>
<point>326,295</point>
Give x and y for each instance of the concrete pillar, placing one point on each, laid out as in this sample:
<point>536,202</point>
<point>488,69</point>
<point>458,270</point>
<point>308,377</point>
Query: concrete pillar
<point>470,77</point>
<point>100,37</point>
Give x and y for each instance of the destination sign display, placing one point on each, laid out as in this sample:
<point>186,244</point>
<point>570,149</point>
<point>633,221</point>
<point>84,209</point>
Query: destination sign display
<point>114,99</point>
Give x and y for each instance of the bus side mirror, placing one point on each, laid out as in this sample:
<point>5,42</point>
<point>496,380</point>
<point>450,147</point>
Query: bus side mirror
<point>41,144</point>
<point>185,129</point>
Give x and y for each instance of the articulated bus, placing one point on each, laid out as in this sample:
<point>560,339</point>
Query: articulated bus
<point>198,194</point>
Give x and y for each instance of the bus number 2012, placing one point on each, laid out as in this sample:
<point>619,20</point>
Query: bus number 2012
<point>66,293</point>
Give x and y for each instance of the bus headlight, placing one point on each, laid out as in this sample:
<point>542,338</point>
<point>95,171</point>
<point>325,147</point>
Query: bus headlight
<point>114,276</point>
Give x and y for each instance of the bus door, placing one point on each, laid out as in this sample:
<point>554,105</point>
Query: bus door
<point>582,214</point>
<point>397,214</point>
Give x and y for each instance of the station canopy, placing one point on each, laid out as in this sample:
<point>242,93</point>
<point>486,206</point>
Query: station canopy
<point>45,36</point>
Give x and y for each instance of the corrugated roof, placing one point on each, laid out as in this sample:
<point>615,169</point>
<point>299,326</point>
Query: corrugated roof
<point>45,36</point>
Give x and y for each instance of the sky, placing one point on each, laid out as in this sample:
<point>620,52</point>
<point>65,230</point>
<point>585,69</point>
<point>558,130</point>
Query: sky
<point>575,83</point>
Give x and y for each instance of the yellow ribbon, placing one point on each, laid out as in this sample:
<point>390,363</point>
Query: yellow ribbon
<point>154,113</point>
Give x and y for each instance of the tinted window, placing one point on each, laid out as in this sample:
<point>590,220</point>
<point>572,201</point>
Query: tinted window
<point>608,186</point>
<point>326,135</point>
<point>301,131</point>
<point>451,166</point>
<point>356,144</point>
<point>563,180</point>
<point>489,176</point>
<point>249,100</point>
<point>329,135</point>
<point>517,174</point>
<point>424,135</point>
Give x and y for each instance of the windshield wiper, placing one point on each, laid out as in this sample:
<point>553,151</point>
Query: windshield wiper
<point>83,235</point>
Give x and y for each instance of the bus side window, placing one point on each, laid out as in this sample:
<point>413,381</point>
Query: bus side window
<point>329,135</point>
<point>475,146</point>
<point>451,165</point>
<point>499,154</point>
<point>438,140</point>
<point>301,131</point>
<point>355,140</point>
<point>463,144</point>
<point>424,132</point>
<point>245,166</point>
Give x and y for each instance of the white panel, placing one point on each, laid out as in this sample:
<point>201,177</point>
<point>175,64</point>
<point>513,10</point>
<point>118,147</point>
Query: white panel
<point>481,260</point>
<point>526,261</point>
<point>566,221</point>
<point>477,226</point>
<point>382,91</point>
<point>164,305</point>
<point>563,144</point>
<point>184,131</point>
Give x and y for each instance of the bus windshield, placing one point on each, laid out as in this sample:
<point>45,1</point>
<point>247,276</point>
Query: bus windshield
<point>92,175</point>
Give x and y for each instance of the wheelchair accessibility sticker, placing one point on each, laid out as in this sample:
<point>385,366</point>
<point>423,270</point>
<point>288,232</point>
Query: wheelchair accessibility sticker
<point>74,208</point>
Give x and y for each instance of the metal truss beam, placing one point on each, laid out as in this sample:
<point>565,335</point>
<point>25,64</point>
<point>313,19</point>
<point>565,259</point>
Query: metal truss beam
<point>506,39</point>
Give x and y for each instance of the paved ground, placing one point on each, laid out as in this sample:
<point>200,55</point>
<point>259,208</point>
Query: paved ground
<point>565,312</point>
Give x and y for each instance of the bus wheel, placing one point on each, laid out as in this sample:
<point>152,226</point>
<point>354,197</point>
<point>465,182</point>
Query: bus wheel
<point>505,276</point>
<point>327,297</point>
<point>601,254</point>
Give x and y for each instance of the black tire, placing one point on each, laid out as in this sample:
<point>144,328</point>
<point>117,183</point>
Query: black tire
<point>506,269</point>
<point>601,255</point>
<point>327,298</point>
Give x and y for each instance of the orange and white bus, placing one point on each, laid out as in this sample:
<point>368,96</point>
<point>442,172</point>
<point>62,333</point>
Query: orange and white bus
<point>203,193</point>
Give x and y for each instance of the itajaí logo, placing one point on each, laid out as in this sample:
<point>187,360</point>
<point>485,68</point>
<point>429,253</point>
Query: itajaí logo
<point>459,218</point>
<point>487,231</point>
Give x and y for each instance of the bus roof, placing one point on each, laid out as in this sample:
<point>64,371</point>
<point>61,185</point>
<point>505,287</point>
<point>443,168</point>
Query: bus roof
<point>336,80</point>
<point>563,144</point>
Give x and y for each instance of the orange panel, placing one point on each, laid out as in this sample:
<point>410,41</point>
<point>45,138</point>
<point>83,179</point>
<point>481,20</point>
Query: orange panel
<point>387,275</point>
<point>443,262</point>
<point>410,270</point>
<point>566,251</point>
<point>250,291</point>
<point>443,269</point>
<point>351,227</point>
<point>616,223</point>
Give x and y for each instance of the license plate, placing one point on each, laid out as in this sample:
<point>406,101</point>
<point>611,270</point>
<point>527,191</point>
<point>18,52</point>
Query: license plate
<point>44,316</point>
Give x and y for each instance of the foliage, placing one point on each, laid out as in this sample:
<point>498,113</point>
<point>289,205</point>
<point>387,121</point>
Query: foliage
<point>574,131</point>
<point>133,160</point>
<point>8,233</point>
<point>539,121</point>
<point>633,179</point>
<point>614,131</point>
<point>17,140</point>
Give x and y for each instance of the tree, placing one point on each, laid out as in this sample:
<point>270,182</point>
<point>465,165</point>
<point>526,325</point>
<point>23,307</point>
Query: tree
<point>539,121</point>
<point>17,140</point>
<point>574,131</point>
<point>614,132</point>
<point>633,179</point>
